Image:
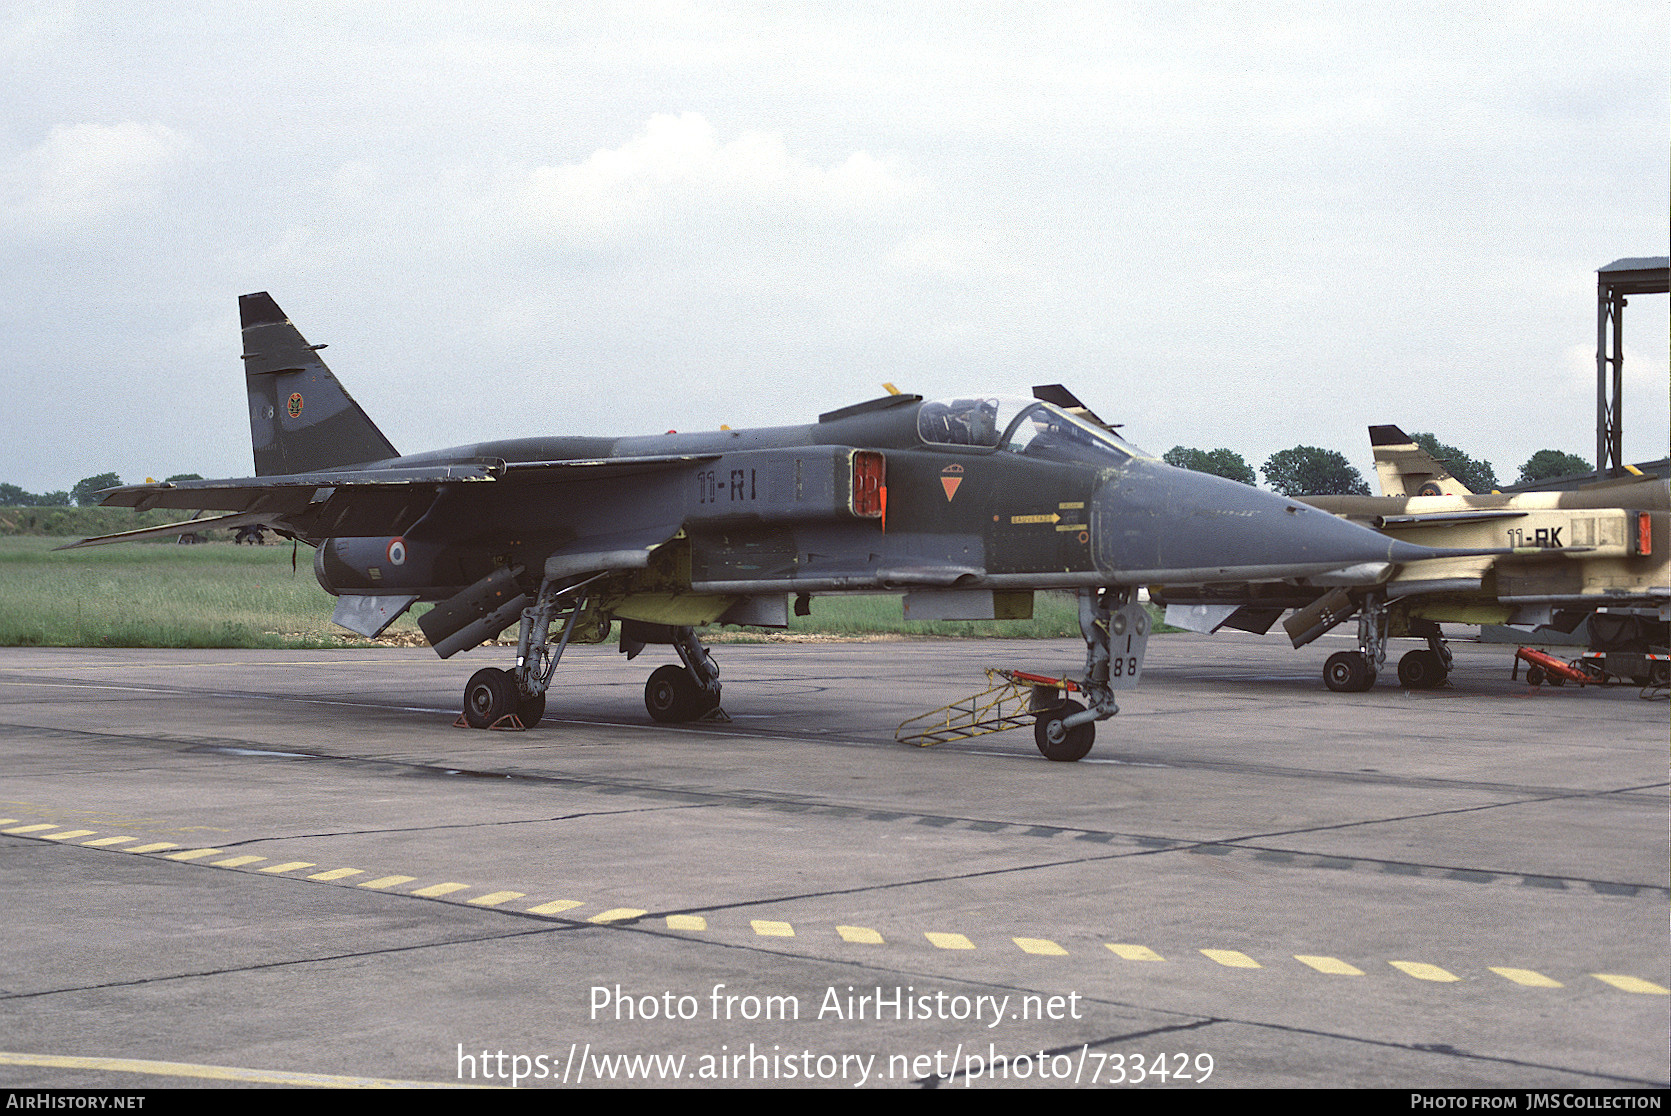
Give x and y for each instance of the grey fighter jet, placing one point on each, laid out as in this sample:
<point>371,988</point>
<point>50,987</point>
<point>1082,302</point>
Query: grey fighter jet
<point>966,506</point>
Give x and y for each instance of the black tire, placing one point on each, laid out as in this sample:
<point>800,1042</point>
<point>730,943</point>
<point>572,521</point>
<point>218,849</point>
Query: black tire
<point>490,695</point>
<point>1421,670</point>
<point>1535,676</point>
<point>672,696</point>
<point>1069,745</point>
<point>530,710</point>
<point>1347,672</point>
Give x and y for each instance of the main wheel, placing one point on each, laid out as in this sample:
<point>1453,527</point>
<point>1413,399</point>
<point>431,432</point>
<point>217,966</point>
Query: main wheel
<point>530,710</point>
<point>1421,670</point>
<point>672,695</point>
<point>1348,672</point>
<point>490,695</point>
<point>1063,745</point>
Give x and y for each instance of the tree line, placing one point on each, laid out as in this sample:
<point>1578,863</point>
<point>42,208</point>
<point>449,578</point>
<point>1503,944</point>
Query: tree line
<point>1310,471</point>
<point>85,494</point>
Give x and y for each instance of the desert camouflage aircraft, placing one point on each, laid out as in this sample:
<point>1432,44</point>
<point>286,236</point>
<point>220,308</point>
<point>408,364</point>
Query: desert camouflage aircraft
<point>1596,555</point>
<point>966,506</point>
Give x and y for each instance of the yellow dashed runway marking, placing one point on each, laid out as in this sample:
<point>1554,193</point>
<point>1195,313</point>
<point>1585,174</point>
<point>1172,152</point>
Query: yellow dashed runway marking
<point>494,898</point>
<point>1423,971</point>
<point>1632,984</point>
<point>387,881</point>
<point>1040,947</point>
<point>556,906</point>
<point>1527,977</point>
<point>1231,959</point>
<point>861,935</point>
<point>194,854</point>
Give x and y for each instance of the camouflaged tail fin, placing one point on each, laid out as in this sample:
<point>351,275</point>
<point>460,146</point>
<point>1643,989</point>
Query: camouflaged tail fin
<point>300,417</point>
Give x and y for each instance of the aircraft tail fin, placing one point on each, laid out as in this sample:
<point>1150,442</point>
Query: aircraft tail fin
<point>1405,469</point>
<point>301,419</point>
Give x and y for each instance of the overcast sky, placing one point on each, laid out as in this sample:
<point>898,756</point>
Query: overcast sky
<point>1242,225</point>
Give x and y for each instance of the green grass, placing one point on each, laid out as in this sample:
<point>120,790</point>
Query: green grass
<point>213,595</point>
<point>222,595</point>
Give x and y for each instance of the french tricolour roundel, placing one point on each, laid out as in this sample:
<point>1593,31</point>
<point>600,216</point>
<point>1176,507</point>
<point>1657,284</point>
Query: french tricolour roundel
<point>397,552</point>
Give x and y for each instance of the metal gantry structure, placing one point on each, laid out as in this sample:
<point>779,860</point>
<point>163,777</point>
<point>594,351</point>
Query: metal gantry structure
<point>1616,281</point>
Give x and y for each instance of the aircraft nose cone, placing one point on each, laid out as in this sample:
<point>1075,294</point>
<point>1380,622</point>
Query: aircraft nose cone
<point>1158,523</point>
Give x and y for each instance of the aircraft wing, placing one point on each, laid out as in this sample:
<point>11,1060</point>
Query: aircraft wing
<point>222,522</point>
<point>356,501</point>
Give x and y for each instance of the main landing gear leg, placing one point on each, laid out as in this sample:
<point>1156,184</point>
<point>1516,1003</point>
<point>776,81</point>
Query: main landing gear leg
<point>1425,670</point>
<point>688,693</point>
<point>1355,671</point>
<point>1116,629</point>
<point>494,694</point>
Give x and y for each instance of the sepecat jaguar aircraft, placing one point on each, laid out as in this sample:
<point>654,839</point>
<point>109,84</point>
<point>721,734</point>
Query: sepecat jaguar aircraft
<point>965,506</point>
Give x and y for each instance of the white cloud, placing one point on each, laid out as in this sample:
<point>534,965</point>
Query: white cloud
<point>677,168</point>
<point>83,173</point>
<point>34,24</point>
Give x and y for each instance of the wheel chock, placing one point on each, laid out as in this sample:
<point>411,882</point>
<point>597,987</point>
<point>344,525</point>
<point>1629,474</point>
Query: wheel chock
<point>510,722</point>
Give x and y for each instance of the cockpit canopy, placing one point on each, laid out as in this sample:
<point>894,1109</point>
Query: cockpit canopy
<point>1025,426</point>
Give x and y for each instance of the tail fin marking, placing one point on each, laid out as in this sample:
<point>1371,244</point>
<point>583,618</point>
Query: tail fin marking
<point>1405,469</point>
<point>301,419</point>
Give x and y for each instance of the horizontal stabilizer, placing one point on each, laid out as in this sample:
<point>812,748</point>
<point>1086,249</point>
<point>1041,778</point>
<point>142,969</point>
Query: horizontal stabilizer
<point>367,615</point>
<point>1204,618</point>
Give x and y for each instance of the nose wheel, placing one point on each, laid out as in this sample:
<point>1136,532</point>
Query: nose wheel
<point>1058,742</point>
